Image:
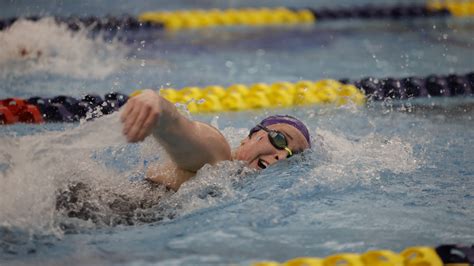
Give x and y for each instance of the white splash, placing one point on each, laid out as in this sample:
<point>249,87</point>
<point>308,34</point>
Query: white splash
<point>41,164</point>
<point>360,161</point>
<point>48,47</point>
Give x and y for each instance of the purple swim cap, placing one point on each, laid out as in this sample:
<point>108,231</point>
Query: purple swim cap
<point>284,119</point>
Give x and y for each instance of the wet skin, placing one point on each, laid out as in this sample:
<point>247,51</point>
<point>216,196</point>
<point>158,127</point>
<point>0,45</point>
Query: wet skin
<point>192,144</point>
<point>258,151</point>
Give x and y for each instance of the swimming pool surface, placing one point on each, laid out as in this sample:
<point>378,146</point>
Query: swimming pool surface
<point>388,175</point>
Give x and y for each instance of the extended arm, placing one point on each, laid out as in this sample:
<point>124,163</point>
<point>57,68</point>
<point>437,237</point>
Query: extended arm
<point>190,144</point>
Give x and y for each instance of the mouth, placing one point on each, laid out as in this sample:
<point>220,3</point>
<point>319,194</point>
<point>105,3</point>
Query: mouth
<point>262,164</point>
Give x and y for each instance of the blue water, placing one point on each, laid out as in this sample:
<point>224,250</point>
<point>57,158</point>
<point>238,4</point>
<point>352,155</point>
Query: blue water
<point>384,176</point>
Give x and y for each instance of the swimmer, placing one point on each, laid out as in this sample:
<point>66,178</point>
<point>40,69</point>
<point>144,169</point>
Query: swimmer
<point>29,54</point>
<point>192,144</point>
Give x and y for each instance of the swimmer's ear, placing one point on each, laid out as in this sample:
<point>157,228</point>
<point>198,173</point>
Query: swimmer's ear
<point>252,134</point>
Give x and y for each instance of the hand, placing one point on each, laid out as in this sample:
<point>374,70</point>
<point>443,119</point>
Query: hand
<point>140,115</point>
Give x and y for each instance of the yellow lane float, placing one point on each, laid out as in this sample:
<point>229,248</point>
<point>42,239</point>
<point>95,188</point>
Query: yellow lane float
<point>238,97</point>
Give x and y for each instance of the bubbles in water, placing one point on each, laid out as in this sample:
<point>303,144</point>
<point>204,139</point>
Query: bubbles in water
<point>46,46</point>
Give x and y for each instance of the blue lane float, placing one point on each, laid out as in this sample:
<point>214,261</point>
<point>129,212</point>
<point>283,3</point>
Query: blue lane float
<point>69,109</point>
<point>410,87</point>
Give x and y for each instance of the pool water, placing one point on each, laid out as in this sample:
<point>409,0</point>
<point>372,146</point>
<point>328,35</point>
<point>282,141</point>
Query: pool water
<point>387,175</point>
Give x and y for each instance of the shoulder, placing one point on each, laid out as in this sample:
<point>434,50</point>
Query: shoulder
<point>220,145</point>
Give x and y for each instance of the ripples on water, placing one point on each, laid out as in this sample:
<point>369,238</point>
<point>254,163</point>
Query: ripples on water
<point>387,176</point>
<point>358,162</point>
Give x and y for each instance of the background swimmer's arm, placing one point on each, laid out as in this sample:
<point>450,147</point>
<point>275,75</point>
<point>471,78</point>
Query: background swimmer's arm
<point>190,144</point>
<point>169,175</point>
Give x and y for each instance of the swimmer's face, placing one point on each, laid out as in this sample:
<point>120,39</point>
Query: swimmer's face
<point>258,151</point>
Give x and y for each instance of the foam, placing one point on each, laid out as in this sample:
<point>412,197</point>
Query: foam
<point>40,165</point>
<point>45,46</point>
<point>352,162</point>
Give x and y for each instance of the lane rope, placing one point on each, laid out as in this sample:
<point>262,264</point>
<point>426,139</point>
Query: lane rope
<point>240,97</point>
<point>449,255</point>
<point>257,17</point>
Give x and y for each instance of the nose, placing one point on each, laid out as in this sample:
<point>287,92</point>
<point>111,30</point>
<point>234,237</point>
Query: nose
<point>280,155</point>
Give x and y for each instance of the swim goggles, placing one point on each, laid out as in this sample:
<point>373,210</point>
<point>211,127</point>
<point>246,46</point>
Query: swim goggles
<point>277,139</point>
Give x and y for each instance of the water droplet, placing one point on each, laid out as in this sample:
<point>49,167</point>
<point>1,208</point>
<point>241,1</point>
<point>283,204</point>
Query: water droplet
<point>252,70</point>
